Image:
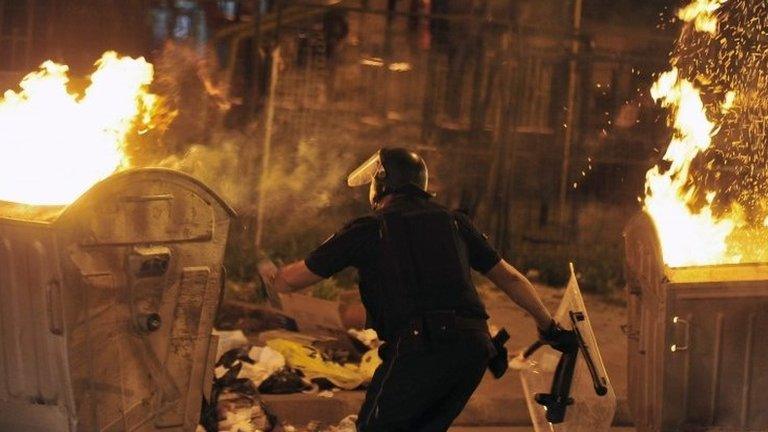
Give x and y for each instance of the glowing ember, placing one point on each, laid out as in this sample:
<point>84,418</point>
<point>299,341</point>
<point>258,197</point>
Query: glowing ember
<point>54,145</point>
<point>708,213</point>
<point>702,14</point>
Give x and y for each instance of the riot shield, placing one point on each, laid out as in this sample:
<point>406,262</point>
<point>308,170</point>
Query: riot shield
<point>569,391</point>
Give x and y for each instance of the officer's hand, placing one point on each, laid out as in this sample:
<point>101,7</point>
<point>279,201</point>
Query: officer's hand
<point>559,338</point>
<point>267,271</point>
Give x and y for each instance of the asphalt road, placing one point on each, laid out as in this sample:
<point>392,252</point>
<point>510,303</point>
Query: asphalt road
<point>518,429</point>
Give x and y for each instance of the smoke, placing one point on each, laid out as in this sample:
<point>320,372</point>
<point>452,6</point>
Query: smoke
<point>315,142</point>
<point>299,181</point>
<point>217,165</point>
<point>305,194</point>
<point>193,97</point>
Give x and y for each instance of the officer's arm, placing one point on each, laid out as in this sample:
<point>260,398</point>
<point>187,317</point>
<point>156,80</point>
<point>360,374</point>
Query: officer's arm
<point>294,277</point>
<point>521,291</point>
<point>335,254</point>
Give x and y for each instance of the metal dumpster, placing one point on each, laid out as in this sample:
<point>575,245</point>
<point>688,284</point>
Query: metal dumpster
<point>697,360</point>
<point>107,305</point>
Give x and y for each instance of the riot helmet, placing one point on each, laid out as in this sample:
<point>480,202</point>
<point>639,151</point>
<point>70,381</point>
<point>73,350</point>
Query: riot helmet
<point>395,170</point>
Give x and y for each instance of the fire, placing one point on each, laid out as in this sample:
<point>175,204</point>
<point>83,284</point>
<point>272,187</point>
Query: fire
<point>696,235</point>
<point>55,144</point>
<point>702,14</point>
<point>687,237</point>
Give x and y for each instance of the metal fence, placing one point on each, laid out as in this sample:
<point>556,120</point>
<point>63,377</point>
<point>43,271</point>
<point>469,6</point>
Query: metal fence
<point>483,94</point>
<point>524,119</point>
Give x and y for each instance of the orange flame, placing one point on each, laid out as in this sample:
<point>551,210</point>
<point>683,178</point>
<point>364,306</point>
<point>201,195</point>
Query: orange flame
<point>54,145</point>
<point>691,237</point>
<point>687,237</point>
<point>702,14</point>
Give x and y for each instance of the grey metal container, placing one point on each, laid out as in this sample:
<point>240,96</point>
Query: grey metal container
<point>698,359</point>
<point>107,305</point>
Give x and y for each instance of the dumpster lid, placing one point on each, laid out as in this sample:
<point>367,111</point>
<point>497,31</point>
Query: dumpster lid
<point>26,213</point>
<point>147,173</point>
<point>718,273</point>
<point>11,211</point>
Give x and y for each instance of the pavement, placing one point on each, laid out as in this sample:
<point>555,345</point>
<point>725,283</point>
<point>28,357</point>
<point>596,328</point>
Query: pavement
<point>497,405</point>
<point>517,429</point>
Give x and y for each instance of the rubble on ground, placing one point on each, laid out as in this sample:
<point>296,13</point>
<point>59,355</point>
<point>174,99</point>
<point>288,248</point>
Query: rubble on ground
<point>318,368</point>
<point>252,318</point>
<point>345,425</point>
<point>235,403</point>
<point>367,337</point>
<point>283,362</point>
<point>254,363</point>
<point>303,347</point>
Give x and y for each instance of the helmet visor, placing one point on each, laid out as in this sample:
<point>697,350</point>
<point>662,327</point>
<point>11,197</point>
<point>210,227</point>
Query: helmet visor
<point>364,174</point>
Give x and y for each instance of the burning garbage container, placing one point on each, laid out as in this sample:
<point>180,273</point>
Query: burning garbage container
<point>107,305</point>
<point>696,358</point>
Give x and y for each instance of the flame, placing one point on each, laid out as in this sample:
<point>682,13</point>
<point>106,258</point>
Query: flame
<point>696,235</point>
<point>687,237</point>
<point>702,14</point>
<point>55,144</point>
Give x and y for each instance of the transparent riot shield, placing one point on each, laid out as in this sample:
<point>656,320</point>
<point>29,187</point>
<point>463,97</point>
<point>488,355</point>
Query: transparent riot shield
<point>568,391</point>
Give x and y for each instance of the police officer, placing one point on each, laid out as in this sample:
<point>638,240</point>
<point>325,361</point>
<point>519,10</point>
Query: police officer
<point>414,258</point>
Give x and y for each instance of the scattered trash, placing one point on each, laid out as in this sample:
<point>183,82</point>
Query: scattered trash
<point>304,338</point>
<point>370,363</point>
<point>342,349</point>
<point>229,340</point>
<point>235,405</point>
<point>346,425</point>
<point>284,381</point>
<point>325,394</point>
<point>255,363</point>
<point>321,360</point>
<point>252,318</point>
<point>311,363</point>
<point>238,412</point>
<point>367,337</point>
<point>268,361</point>
<point>312,315</point>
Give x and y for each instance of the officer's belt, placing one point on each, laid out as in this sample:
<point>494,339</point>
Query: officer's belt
<point>418,326</point>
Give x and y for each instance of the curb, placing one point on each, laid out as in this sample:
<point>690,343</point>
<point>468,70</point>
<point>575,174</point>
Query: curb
<point>301,409</point>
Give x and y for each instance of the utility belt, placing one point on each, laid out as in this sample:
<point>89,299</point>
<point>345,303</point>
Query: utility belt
<point>441,326</point>
<point>436,327</point>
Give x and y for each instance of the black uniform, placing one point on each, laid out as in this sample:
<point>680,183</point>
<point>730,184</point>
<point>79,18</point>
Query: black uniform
<point>414,259</point>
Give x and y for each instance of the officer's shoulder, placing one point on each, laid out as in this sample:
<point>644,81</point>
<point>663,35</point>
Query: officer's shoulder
<point>462,215</point>
<point>362,223</point>
<point>463,219</point>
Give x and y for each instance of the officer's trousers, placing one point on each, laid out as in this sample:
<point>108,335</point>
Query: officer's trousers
<point>423,387</point>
